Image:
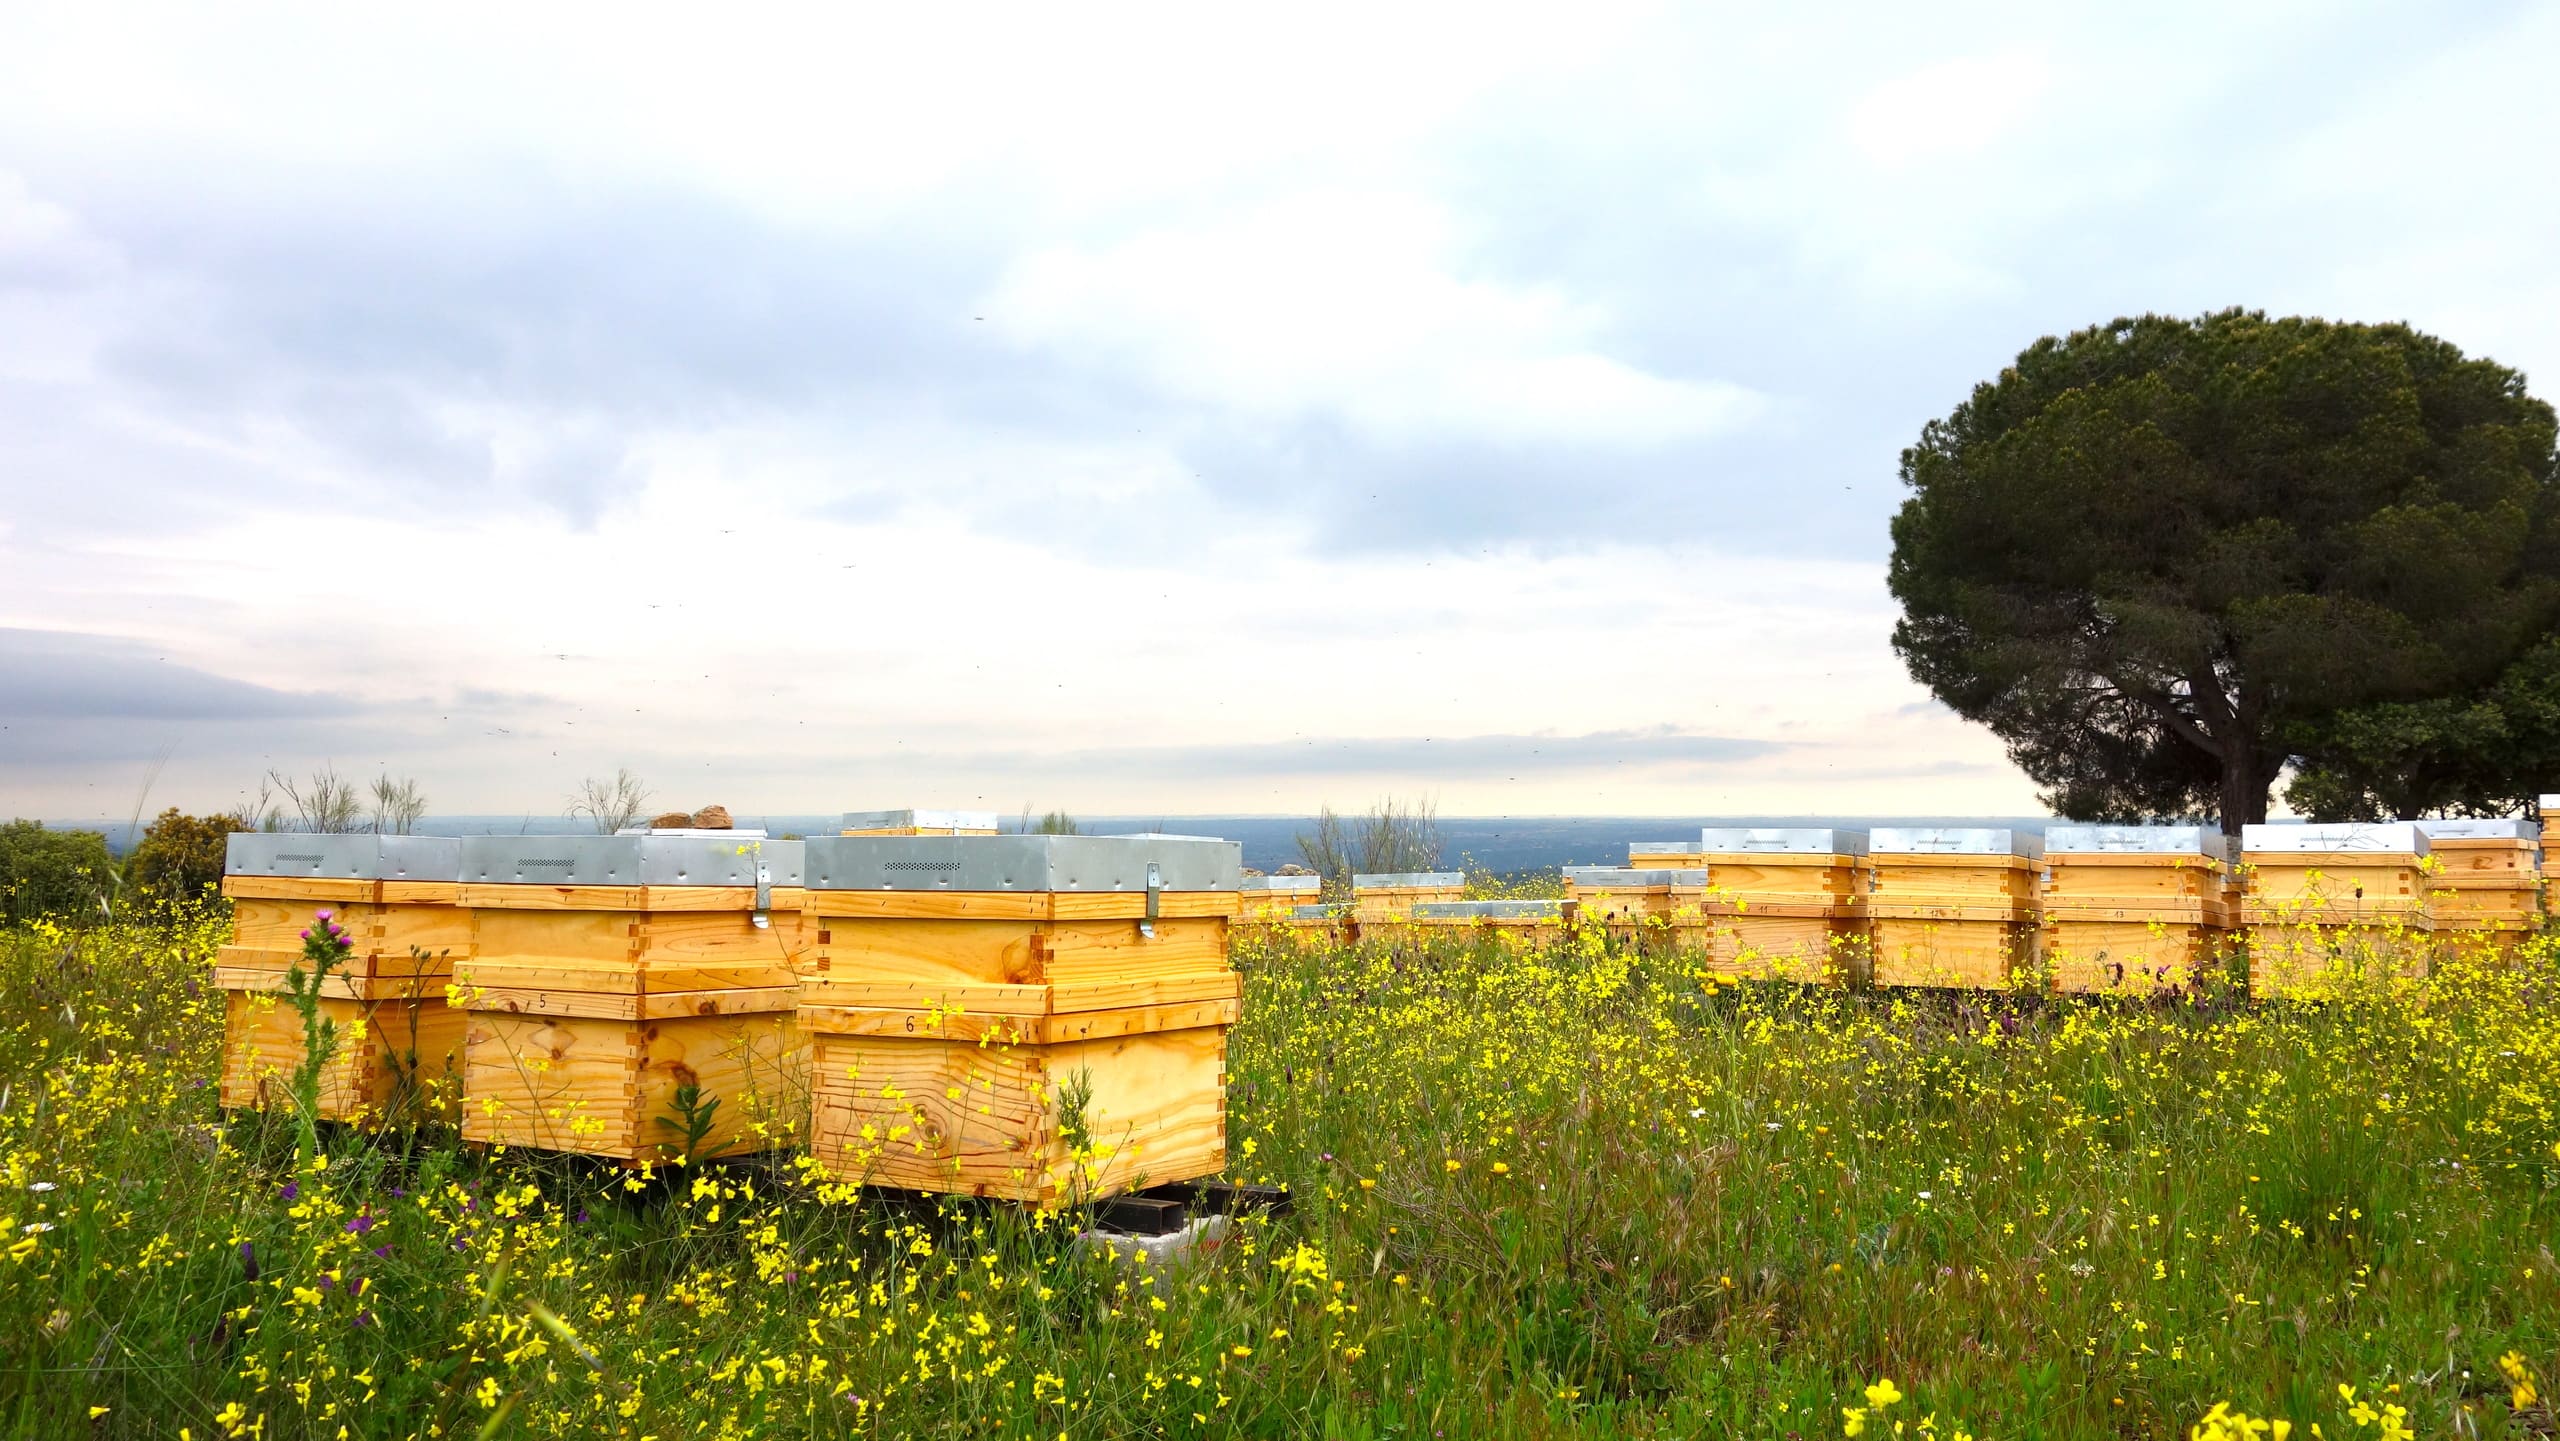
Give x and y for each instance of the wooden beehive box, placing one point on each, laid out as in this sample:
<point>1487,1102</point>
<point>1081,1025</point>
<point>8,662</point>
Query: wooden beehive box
<point>1788,903</point>
<point>608,974</point>
<point>398,1043</point>
<point>1034,1018</point>
<point>1665,856</point>
<point>1662,908</point>
<point>2137,909</point>
<point>1954,906</point>
<point>918,823</point>
<point>2485,888</point>
<point>1524,923</point>
<point>1274,900</point>
<point>2323,902</point>
<point>1386,899</point>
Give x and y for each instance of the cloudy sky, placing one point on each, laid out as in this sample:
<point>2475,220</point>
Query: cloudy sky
<point>1166,410</point>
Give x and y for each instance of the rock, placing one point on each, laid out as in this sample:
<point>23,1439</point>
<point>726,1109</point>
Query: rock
<point>1248,871</point>
<point>672,821</point>
<point>1293,869</point>
<point>711,818</point>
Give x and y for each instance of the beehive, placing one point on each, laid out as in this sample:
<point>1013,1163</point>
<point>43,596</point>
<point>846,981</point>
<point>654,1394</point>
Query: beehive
<point>1035,1018</point>
<point>1660,908</point>
<point>1528,922</point>
<point>1388,898</point>
<point>2325,902</point>
<point>2485,889</point>
<point>918,823</point>
<point>626,990</point>
<point>1954,906</point>
<point>2134,908</point>
<point>398,1044</point>
<point>1665,855</point>
<point>1326,921</point>
<point>1787,903</point>
<point>1274,900</point>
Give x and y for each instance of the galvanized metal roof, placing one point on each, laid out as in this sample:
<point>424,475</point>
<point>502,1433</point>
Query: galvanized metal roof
<point>2165,840</point>
<point>1409,879</point>
<point>1022,863</point>
<point>1635,879</point>
<point>2482,829</point>
<point>699,858</point>
<point>343,857</point>
<point>2393,837</point>
<point>925,820</point>
<point>1954,840</point>
<point>1810,840</point>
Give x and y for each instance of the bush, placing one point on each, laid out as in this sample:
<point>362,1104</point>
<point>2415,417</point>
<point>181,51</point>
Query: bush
<point>52,873</point>
<point>181,856</point>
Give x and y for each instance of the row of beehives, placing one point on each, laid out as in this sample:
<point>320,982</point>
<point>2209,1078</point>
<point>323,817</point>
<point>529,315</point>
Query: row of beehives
<point>1020,1016</point>
<point>2078,909</point>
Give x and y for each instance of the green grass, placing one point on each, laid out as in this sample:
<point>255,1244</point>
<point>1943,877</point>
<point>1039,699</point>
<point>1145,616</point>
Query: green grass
<point>1576,1193</point>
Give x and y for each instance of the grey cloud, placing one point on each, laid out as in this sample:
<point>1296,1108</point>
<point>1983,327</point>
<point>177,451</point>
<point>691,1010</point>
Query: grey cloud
<point>67,676</point>
<point>439,361</point>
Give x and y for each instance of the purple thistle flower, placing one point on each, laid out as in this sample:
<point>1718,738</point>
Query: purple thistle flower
<point>322,916</point>
<point>306,933</point>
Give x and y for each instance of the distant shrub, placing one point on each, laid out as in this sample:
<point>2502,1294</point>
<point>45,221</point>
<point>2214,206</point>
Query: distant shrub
<point>180,857</point>
<point>64,874</point>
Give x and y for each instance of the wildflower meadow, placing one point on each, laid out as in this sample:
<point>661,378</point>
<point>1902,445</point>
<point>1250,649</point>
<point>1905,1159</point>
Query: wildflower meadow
<point>1575,1189</point>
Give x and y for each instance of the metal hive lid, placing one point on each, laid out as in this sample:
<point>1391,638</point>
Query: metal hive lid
<point>1280,883</point>
<point>2481,829</point>
<point>1021,863</point>
<point>1331,911</point>
<point>2161,840</point>
<point>1634,879</point>
<point>925,820</point>
<point>1807,840</point>
<point>2385,837</point>
<point>1408,879</point>
<point>1488,910</point>
<point>700,858</point>
<point>1955,841</point>
<point>343,857</point>
<point>1660,848</point>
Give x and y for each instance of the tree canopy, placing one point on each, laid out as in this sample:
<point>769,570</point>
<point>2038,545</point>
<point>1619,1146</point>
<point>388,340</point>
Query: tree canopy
<point>2164,558</point>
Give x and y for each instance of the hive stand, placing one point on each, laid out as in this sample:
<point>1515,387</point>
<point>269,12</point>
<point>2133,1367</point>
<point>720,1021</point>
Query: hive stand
<point>918,823</point>
<point>398,1043</point>
<point>1274,900</point>
<point>608,974</point>
<point>2134,909</point>
<point>1389,899</point>
<point>1788,903</point>
<point>2331,902</point>
<point>1954,907</point>
<point>1516,923</point>
<point>1662,909</point>
<point>2486,887</point>
<point>1032,1018</point>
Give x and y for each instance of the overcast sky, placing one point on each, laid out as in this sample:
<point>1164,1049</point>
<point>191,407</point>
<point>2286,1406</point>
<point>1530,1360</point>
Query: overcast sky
<point>1166,411</point>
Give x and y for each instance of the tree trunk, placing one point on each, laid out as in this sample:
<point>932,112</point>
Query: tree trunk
<point>2244,785</point>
